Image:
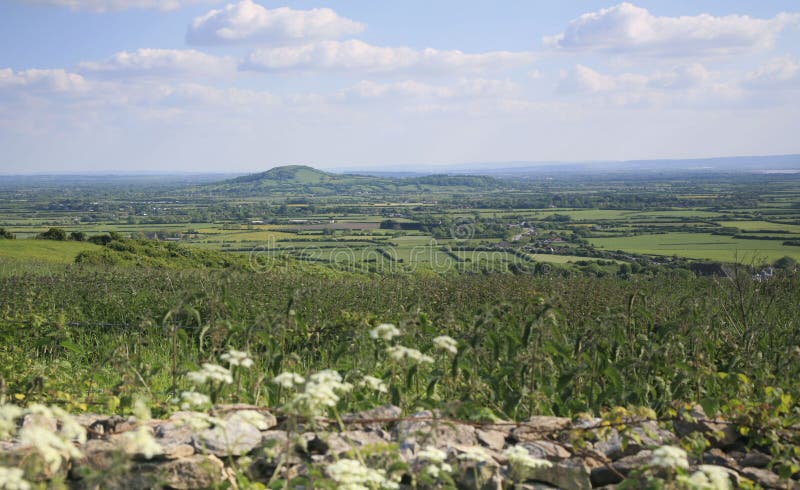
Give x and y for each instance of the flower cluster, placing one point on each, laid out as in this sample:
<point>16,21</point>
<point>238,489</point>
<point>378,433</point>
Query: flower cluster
<point>384,331</point>
<point>374,384</point>
<point>237,358</point>
<point>400,354</point>
<point>191,399</point>
<point>351,474</point>
<point>210,372</point>
<point>288,380</point>
<point>444,342</point>
<point>8,416</point>
<point>669,457</point>
<point>319,393</point>
<point>141,442</point>
<point>12,479</point>
<point>707,477</point>
<point>435,461</point>
<point>520,457</point>
<point>51,447</point>
<point>474,454</point>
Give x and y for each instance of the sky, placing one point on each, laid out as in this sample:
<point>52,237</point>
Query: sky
<point>239,86</point>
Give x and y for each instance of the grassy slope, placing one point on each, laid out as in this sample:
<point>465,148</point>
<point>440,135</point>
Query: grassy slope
<point>43,250</point>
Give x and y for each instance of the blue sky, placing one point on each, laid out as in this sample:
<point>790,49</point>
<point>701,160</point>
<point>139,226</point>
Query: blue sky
<point>203,85</point>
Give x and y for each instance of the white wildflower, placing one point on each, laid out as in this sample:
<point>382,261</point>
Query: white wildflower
<point>8,417</point>
<point>374,383</point>
<point>432,455</point>
<point>12,479</point>
<point>288,379</point>
<point>351,474</point>
<point>52,448</point>
<point>70,429</point>
<point>444,342</point>
<point>519,456</point>
<point>475,454</point>
<point>237,358</point>
<point>141,442</point>
<point>140,410</point>
<point>400,353</point>
<point>432,470</point>
<point>708,477</point>
<point>194,399</point>
<point>320,392</point>
<point>384,331</point>
<point>197,421</point>
<point>669,457</point>
<point>210,372</point>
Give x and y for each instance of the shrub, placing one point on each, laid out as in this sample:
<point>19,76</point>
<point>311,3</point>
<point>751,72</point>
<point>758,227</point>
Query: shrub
<point>58,234</point>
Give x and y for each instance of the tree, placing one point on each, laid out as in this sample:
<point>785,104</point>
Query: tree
<point>6,235</point>
<point>58,234</point>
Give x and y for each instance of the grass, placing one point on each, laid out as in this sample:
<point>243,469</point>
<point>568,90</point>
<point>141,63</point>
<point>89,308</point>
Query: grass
<point>699,246</point>
<point>45,251</point>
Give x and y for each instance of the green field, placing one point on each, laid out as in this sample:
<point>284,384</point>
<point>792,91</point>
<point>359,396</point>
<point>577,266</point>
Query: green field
<point>44,251</point>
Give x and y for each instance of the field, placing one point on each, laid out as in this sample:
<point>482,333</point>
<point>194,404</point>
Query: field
<point>480,300</point>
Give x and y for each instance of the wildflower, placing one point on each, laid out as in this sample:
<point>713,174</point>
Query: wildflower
<point>197,421</point>
<point>320,392</point>
<point>433,455</point>
<point>52,448</point>
<point>194,399</point>
<point>237,358</point>
<point>140,410</point>
<point>288,380</point>
<point>210,372</point>
<point>374,383</point>
<point>384,331</point>
<point>70,429</point>
<point>141,442</point>
<point>669,457</point>
<point>11,479</point>
<point>446,343</point>
<point>519,456</point>
<point>400,353</point>
<point>708,477</point>
<point>8,416</point>
<point>351,474</point>
<point>475,454</point>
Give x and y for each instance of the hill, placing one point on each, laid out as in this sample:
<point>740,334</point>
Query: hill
<point>305,180</point>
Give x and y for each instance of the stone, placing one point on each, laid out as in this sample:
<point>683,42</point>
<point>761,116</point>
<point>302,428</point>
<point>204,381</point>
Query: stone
<point>233,437</point>
<point>261,420</point>
<point>721,434</point>
<point>716,456</point>
<point>199,471</point>
<point>440,433</point>
<point>546,450</point>
<point>649,433</point>
<point>385,414</point>
<point>541,427</point>
<point>768,479</point>
<point>755,459</point>
<point>568,474</point>
<point>39,420</point>
<point>493,439</point>
<point>605,475</point>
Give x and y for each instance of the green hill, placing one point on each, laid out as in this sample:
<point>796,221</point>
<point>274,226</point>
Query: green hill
<point>305,180</point>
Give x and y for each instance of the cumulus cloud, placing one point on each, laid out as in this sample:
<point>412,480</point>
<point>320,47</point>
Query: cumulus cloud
<point>355,55</point>
<point>38,81</point>
<point>247,21</point>
<point>778,73</point>
<point>583,79</point>
<point>626,28</point>
<point>160,62</point>
<point>466,88</point>
<point>115,5</point>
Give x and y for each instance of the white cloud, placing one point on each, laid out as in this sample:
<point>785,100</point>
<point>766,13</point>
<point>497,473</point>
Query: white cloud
<point>466,88</point>
<point>247,21</point>
<point>626,28</point>
<point>160,62</point>
<point>778,73</point>
<point>355,55</point>
<point>583,79</point>
<point>115,5</point>
<point>39,81</point>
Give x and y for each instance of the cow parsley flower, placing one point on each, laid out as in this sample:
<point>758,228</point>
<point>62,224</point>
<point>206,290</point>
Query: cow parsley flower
<point>444,342</point>
<point>400,354</point>
<point>197,421</point>
<point>432,455</point>
<point>194,399</point>
<point>320,393</point>
<point>669,457</point>
<point>52,448</point>
<point>12,479</point>
<point>210,372</point>
<point>70,429</point>
<point>708,477</point>
<point>288,379</point>
<point>237,358</point>
<point>384,331</point>
<point>475,454</point>
<point>141,442</point>
<point>374,383</point>
<point>8,416</point>
<point>519,456</point>
<point>351,474</point>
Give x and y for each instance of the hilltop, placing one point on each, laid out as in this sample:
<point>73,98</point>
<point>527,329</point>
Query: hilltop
<point>304,179</point>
